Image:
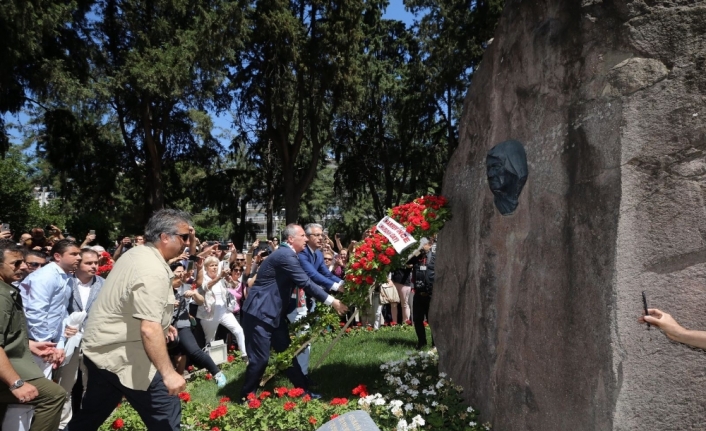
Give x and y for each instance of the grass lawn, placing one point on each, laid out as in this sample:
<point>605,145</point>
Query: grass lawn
<point>354,360</point>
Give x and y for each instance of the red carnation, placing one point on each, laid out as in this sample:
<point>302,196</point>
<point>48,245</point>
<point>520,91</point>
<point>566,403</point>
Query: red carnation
<point>231,358</point>
<point>117,424</point>
<point>185,396</point>
<point>410,229</point>
<point>334,416</point>
<point>281,392</point>
<point>295,392</point>
<point>306,398</point>
<point>425,225</point>
<point>264,394</point>
<point>390,251</point>
<point>289,405</point>
<point>254,404</point>
<point>312,420</point>
<point>208,376</point>
<point>356,265</point>
<point>339,402</point>
<point>251,396</point>
<point>369,279</point>
<point>224,400</point>
<point>361,390</point>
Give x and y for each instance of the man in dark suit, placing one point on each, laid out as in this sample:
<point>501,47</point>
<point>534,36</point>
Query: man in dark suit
<point>264,312</point>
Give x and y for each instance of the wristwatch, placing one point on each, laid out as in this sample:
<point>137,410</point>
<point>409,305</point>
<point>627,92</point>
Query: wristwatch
<point>18,384</point>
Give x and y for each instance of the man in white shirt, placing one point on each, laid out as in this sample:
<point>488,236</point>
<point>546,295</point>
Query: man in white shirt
<point>85,288</point>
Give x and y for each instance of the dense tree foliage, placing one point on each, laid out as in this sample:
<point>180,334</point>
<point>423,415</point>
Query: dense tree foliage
<point>337,113</point>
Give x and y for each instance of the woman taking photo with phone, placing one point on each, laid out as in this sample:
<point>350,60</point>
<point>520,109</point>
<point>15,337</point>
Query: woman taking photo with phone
<point>219,303</point>
<point>186,345</point>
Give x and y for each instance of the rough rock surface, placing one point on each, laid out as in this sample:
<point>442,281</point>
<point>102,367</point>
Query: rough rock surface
<point>535,314</point>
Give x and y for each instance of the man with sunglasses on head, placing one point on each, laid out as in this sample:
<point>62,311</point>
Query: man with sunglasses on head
<point>125,341</point>
<point>23,381</point>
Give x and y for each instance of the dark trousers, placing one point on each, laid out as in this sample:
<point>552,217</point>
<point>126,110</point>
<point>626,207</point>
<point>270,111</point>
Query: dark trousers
<point>158,410</point>
<point>259,336</point>
<point>47,405</point>
<point>189,347</point>
<point>420,310</point>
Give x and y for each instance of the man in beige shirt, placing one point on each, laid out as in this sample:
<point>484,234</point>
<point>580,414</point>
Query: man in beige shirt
<point>124,344</point>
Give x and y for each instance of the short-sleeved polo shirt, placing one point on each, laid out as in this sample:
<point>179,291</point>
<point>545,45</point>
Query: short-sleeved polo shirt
<point>13,333</point>
<point>138,288</point>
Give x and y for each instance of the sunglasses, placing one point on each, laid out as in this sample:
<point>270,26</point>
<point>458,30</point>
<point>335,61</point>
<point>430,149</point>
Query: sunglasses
<point>240,260</point>
<point>184,236</point>
<point>328,258</point>
<point>34,265</point>
<point>17,264</point>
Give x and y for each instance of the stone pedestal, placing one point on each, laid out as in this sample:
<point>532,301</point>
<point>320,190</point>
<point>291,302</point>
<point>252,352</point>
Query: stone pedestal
<point>535,314</point>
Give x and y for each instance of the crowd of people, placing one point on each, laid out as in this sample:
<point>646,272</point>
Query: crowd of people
<point>69,331</point>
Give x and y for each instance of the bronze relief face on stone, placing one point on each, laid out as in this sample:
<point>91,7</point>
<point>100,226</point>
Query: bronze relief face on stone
<point>506,164</point>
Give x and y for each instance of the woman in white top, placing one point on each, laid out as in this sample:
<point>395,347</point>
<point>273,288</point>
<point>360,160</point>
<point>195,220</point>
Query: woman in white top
<point>214,311</point>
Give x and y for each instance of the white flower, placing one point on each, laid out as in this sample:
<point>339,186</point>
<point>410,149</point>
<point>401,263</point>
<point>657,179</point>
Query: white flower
<point>413,393</point>
<point>426,410</point>
<point>469,409</point>
<point>408,406</point>
<point>379,402</point>
<point>414,381</point>
<point>434,404</point>
<point>442,375</point>
<point>440,384</point>
<point>418,420</point>
<point>395,404</point>
<point>383,367</point>
<point>402,425</point>
<point>471,423</point>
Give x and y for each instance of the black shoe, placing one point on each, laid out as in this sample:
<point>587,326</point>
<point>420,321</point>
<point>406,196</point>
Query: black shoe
<point>313,395</point>
<point>310,383</point>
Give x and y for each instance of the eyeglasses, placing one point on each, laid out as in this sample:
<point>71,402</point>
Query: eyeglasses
<point>34,265</point>
<point>240,260</point>
<point>328,258</point>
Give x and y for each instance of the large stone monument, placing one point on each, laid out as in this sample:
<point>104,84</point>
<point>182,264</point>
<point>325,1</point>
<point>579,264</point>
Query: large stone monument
<point>535,313</point>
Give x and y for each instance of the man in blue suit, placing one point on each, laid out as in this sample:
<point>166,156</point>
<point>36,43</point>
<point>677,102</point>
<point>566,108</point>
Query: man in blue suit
<point>312,259</point>
<point>264,311</point>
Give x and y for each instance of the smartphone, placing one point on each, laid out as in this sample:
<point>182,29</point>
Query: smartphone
<point>190,266</point>
<point>92,232</point>
<point>194,258</point>
<point>5,227</point>
<point>223,247</point>
<point>644,304</point>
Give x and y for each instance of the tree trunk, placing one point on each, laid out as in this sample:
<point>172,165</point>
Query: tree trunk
<point>241,230</point>
<point>153,174</point>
